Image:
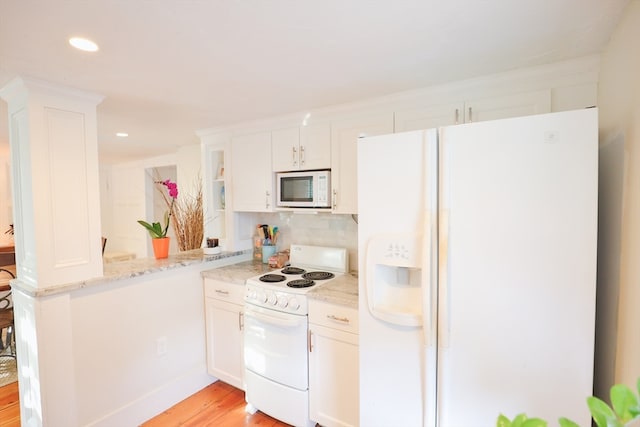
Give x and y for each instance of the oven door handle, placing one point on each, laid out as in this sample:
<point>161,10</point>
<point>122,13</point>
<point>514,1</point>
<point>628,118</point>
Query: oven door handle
<point>288,321</point>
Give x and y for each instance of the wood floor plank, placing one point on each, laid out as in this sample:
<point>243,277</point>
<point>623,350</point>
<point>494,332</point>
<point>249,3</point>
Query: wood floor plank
<point>9,394</point>
<point>219,405</point>
<point>191,406</point>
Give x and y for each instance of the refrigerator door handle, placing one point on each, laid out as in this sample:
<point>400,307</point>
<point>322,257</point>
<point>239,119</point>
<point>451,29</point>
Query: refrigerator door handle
<point>444,324</point>
<point>427,287</point>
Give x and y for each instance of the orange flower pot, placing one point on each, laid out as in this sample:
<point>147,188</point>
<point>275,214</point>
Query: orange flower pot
<point>160,247</point>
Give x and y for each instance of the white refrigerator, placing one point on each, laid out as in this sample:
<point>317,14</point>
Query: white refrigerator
<point>477,271</point>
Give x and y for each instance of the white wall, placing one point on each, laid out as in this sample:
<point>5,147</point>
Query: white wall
<point>617,339</point>
<point>127,196</point>
<point>6,212</point>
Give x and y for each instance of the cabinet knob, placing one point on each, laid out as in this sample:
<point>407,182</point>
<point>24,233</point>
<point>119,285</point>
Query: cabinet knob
<point>302,155</point>
<point>294,154</point>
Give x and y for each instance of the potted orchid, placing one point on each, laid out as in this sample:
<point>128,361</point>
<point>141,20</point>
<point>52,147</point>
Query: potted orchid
<point>157,231</point>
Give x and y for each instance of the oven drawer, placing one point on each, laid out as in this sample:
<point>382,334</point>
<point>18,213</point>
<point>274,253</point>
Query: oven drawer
<point>333,316</point>
<point>275,346</point>
<point>224,291</point>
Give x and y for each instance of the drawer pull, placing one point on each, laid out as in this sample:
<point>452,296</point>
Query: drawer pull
<point>222,292</point>
<point>338,319</point>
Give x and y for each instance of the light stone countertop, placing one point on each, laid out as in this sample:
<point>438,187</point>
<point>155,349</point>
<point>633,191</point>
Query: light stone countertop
<point>129,269</point>
<point>342,290</point>
<point>238,273</point>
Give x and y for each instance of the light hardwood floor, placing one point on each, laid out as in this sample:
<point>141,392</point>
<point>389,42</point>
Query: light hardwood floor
<point>9,406</point>
<point>218,404</point>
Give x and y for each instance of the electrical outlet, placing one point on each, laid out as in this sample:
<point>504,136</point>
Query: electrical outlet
<point>161,346</point>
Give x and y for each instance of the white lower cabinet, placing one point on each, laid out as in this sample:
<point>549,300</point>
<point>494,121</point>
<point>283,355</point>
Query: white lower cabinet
<point>333,365</point>
<point>224,329</point>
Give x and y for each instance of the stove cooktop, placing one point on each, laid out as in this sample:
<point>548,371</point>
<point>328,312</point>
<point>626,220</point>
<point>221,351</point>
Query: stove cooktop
<point>293,279</point>
<point>284,290</point>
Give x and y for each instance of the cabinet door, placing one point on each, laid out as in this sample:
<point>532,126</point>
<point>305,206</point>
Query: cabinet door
<point>224,324</point>
<point>285,147</point>
<point>252,177</point>
<point>504,107</point>
<point>333,377</point>
<point>428,117</point>
<point>315,146</point>
<point>344,137</point>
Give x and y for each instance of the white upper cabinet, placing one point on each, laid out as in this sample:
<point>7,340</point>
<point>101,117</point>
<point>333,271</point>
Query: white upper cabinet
<point>285,149</point>
<point>477,110</point>
<point>252,176</point>
<point>301,148</point>
<point>344,137</point>
<point>504,107</point>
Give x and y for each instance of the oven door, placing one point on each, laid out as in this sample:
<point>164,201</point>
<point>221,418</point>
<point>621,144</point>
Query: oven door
<point>275,346</point>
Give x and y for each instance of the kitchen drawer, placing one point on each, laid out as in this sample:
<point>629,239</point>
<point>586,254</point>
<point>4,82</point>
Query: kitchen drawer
<point>224,291</point>
<point>333,316</point>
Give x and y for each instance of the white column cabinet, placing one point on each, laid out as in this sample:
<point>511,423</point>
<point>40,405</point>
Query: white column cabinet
<point>344,137</point>
<point>475,110</point>
<point>301,148</point>
<point>252,176</point>
<point>224,329</point>
<point>333,365</point>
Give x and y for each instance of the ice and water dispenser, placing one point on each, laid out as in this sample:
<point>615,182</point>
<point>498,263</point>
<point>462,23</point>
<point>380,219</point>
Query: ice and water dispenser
<point>394,279</point>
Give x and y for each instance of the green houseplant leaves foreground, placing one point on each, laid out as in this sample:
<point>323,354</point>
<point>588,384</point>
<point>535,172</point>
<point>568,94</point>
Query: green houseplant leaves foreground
<point>624,408</point>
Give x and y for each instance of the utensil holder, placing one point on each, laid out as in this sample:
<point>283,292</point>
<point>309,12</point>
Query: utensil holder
<point>267,251</point>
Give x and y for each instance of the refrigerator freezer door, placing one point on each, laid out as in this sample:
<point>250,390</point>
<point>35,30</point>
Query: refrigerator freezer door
<point>397,200</point>
<point>518,208</point>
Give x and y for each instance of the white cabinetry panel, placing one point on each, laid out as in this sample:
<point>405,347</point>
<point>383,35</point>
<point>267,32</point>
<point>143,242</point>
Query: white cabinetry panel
<point>252,177</point>
<point>504,107</point>
<point>333,365</point>
<point>475,110</point>
<point>344,136</point>
<point>224,326</point>
<point>301,148</point>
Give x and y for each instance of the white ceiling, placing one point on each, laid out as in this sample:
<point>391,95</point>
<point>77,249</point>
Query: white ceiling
<point>170,67</point>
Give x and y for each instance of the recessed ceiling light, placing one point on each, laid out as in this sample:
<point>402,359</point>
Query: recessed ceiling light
<point>122,134</point>
<point>83,44</point>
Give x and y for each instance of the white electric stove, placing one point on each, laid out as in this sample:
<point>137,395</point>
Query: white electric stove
<point>275,334</point>
<point>283,290</point>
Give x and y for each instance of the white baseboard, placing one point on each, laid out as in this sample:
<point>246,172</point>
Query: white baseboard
<point>156,401</point>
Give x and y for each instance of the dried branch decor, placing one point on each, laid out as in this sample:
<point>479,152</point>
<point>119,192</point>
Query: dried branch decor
<point>187,215</point>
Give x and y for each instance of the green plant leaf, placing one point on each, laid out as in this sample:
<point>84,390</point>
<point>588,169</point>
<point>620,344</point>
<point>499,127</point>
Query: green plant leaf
<point>155,229</point>
<point>503,421</point>
<point>624,402</point>
<point>602,414</point>
<point>565,422</point>
<point>534,422</point>
<point>518,420</point>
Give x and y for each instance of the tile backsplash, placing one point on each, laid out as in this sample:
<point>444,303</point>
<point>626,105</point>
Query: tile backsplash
<point>322,229</point>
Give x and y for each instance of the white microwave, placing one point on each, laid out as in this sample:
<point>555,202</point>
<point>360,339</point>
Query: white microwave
<point>304,189</point>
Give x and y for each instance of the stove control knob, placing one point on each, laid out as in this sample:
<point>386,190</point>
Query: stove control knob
<point>283,302</point>
<point>261,297</point>
<point>273,299</point>
<point>293,303</point>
